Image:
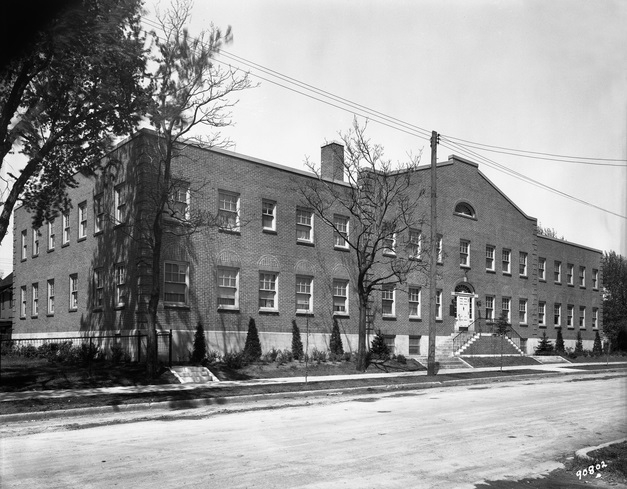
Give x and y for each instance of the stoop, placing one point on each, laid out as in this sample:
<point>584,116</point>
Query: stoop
<point>193,375</point>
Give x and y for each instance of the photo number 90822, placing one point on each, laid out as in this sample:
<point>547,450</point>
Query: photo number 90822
<point>591,469</point>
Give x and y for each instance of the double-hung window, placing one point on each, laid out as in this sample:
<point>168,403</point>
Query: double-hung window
<point>595,279</point>
<point>582,317</point>
<point>23,301</point>
<point>228,288</point>
<point>522,264</point>
<point>582,277</point>
<point>35,299</point>
<point>557,315</point>
<point>268,215</point>
<point>506,258</point>
<point>98,214</point>
<point>66,227</point>
<point>506,304</point>
<point>389,242</point>
<point>542,313</point>
<point>24,244</point>
<point>542,268</point>
<point>179,200</point>
<point>414,302</point>
<point>120,285</point>
<point>388,295</point>
<point>304,225</point>
<point>82,220</point>
<point>489,258</point>
<point>439,250</point>
<point>595,318</point>
<point>51,236</point>
<point>340,232</point>
<point>268,289</point>
<point>522,311</point>
<point>570,270</point>
<point>119,202</point>
<point>489,308</point>
<point>557,272</point>
<point>98,288</point>
<point>175,282</point>
<point>304,294</point>
<point>438,304</point>
<point>570,311</point>
<point>415,244</point>
<point>51,296</point>
<point>340,296</point>
<point>228,210</point>
<point>36,236</point>
<point>464,253</point>
<point>73,292</point>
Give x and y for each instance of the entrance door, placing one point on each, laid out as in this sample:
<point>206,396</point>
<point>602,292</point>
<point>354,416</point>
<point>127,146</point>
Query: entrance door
<point>464,302</point>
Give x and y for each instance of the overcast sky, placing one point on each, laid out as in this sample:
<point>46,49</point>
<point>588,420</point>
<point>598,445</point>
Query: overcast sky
<point>534,75</point>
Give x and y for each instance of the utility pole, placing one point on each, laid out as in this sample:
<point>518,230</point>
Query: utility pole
<point>435,137</point>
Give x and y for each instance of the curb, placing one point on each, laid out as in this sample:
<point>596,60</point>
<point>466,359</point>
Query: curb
<point>583,453</point>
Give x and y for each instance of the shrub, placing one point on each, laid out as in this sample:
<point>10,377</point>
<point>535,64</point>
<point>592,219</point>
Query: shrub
<point>559,342</point>
<point>597,349</point>
<point>234,360</point>
<point>200,344</point>
<point>297,342</point>
<point>401,359</point>
<point>284,356</point>
<point>7,348</point>
<point>334,357</point>
<point>271,355</point>
<point>252,349</point>
<point>347,357</point>
<point>545,347</point>
<point>579,344</point>
<point>378,348</point>
<point>28,351</point>
<point>318,355</point>
<point>117,353</point>
<point>336,339</point>
<point>213,356</point>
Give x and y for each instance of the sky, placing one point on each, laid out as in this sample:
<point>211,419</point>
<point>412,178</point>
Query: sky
<point>541,76</point>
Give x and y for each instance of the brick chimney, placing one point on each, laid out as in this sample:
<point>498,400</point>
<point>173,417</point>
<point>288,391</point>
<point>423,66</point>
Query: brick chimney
<point>332,161</point>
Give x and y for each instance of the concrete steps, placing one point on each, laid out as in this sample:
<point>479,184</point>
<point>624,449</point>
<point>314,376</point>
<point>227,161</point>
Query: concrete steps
<point>444,362</point>
<point>487,344</point>
<point>193,375</point>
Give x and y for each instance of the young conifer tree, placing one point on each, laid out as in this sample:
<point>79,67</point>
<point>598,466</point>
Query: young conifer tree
<point>378,348</point>
<point>579,344</point>
<point>200,345</point>
<point>545,346</point>
<point>336,339</point>
<point>297,343</point>
<point>252,349</point>
<point>597,349</point>
<point>559,342</point>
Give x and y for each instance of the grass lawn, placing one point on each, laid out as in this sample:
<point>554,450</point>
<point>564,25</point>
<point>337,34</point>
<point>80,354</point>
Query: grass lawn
<point>508,361</point>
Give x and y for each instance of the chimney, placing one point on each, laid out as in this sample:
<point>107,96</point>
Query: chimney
<point>332,161</point>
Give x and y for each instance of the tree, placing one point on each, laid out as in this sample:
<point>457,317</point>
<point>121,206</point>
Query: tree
<point>189,91</point>
<point>549,232</point>
<point>200,344</point>
<point>597,349</point>
<point>380,200</point>
<point>336,339</point>
<point>614,270</point>
<point>559,342</point>
<point>502,325</point>
<point>379,348</point>
<point>297,342</point>
<point>65,98</point>
<point>579,344</point>
<point>545,347</point>
<point>252,348</point>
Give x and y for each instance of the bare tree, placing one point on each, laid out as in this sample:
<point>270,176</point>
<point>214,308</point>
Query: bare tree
<point>381,200</point>
<point>189,91</point>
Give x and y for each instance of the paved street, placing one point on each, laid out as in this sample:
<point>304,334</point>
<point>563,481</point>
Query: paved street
<point>435,438</point>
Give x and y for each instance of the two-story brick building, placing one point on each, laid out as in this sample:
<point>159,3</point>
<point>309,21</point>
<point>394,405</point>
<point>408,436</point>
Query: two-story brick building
<point>274,260</point>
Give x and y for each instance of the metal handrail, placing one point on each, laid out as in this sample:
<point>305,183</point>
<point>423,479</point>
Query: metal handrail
<point>465,336</point>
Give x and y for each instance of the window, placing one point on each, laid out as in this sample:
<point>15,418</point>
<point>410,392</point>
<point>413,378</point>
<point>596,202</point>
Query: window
<point>557,272</point>
<point>66,228</point>
<point>389,243</point>
<point>464,209</point>
<point>228,210</point>
<point>595,318</point>
<point>51,236</point>
<point>542,268</point>
<point>23,301</point>
<point>439,252</point>
<point>390,341</point>
<point>341,231</point>
<point>582,276</point>
<point>228,288</point>
<point>582,317</point>
<point>489,258</point>
<point>522,311</point>
<point>595,278</point>
<point>304,288</point>
<point>175,283</point>
<point>268,291</point>
<point>98,287</point>
<point>120,285</point>
<point>119,198</point>
<point>569,274</point>
<point>414,345</point>
<point>35,298</point>
<point>557,314</point>
<point>464,253</point>
<point>438,304</point>
<point>415,244</point>
<point>506,303</point>
<point>414,302</point>
<point>542,313</point>
<point>522,264</point>
<point>489,308</point>
<point>98,214</point>
<point>388,294</point>
<point>179,200</point>
<point>82,220</point>
<point>73,292</point>
<point>24,244</point>
<point>51,296</point>
<point>506,259</point>
<point>570,310</point>
<point>36,236</point>
<point>268,215</point>
<point>340,296</point>
<point>304,225</point>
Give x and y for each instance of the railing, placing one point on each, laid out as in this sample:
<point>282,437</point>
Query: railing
<point>465,336</point>
<point>511,333</point>
<point>484,326</point>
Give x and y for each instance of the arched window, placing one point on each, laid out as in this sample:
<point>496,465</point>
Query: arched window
<point>464,209</point>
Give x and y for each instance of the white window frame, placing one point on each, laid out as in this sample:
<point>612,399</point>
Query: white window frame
<point>119,202</point>
<point>98,288</point>
<point>414,344</point>
<point>120,285</point>
<point>82,220</point>
<point>73,303</point>
<point>557,315</point>
<point>66,227</point>
<point>522,311</point>
<point>570,316</point>
<point>340,297</point>
<point>557,272</point>
<point>182,268</point>
<point>582,317</point>
<point>304,225</point>
<point>98,213</point>
<point>439,249</point>
<point>506,261</point>
<point>228,287</point>
<point>388,300</point>
<point>389,245</point>
<point>570,272</point>
<point>438,304</point>
<point>506,306</point>
<point>179,200</point>
<point>582,277</point>
<point>489,308</point>
<point>23,301</point>
<point>595,279</point>
<point>50,306</point>
<point>304,288</point>
<point>415,244</point>
<point>51,236</point>
<point>595,318</point>
<point>542,269</point>
<point>229,210</point>
<point>36,236</point>
<point>24,243</point>
<point>464,253</point>
<point>35,300</point>
<point>490,252</point>
<point>341,231</point>
<point>542,313</point>
<point>268,213</point>
<point>522,263</point>
<point>414,298</point>
<point>268,291</point>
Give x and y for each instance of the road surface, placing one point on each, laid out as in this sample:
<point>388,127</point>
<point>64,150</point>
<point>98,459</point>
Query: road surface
<point>436,438</point>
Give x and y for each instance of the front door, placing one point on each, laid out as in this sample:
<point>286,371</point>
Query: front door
<point>464,317</point>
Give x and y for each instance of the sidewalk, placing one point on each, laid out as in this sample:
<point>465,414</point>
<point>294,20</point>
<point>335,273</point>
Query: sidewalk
<point>60,394</point>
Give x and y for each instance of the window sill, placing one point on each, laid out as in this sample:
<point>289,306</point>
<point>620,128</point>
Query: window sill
<point>234,232</point>
<point>507,274</point>
<point>182,307</point>
<point>388,318</point>
<point>305,243</point>
<point>50,250</point>
<point>526,277</point>
<point>23,259</point>
<point>487,270</point>
<point>73,310</point>
<point>268,312</point>
<point>571,285</point>
<point>97,309</point>
<point>98,233</point>
<point>570,327</point>
<point>36,316</point>
<point>524,325</point>
<point>583,287</point>
<point>557,283</point>
<point>439,320</point>
<point>465,267</point>
<point>22,318</point>
<point>119,307</point>
<point>234,310</point>
<point>119,225</point>
<point>582,327</point>
<point>465,216</point>
<point>341,315</point>
<point>415,258</point>
<point>390,254</point>
<point>415,318</point>
<point>82,238</point>
<point>542,326</point>
<point>50,315</point>
<point>65,245</point>
<point>35,256</point>
<point>543,280</point>
<point>341,248</point>
<point>269,231</point>
<point>305,314</point>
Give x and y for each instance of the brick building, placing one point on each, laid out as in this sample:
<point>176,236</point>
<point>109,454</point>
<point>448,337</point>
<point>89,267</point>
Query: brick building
<point>274,260</point>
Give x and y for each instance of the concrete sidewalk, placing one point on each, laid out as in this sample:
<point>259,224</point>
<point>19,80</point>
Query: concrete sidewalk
<point>143,389</point>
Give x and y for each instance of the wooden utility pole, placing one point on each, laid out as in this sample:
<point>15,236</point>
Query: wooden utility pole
<point>433,261</point>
